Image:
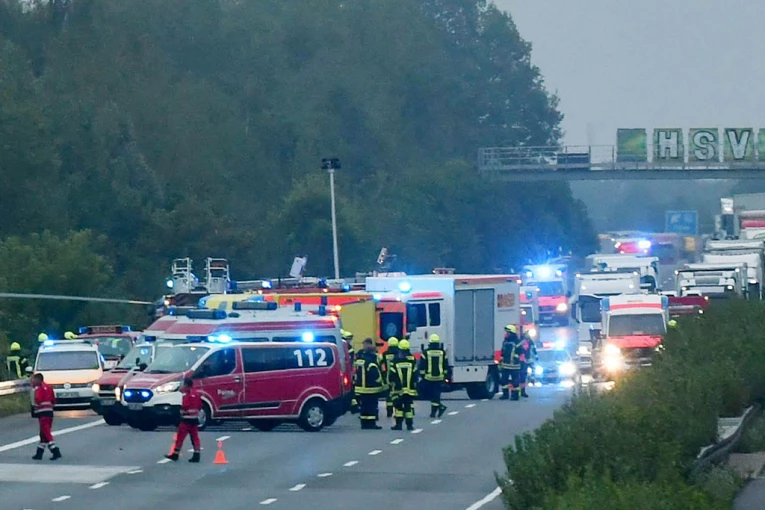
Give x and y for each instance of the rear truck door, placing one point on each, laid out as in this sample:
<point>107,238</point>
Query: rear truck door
<point>220,379</point>
<point>473,326</point>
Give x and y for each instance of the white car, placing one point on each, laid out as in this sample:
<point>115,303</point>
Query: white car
<point>71,368</point>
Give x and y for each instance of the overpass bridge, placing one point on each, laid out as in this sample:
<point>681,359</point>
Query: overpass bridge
<point>602,163</point>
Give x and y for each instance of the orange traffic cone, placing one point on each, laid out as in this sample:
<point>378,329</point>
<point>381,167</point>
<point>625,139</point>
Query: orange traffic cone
<point>220,457</point>
<point>172,446</point>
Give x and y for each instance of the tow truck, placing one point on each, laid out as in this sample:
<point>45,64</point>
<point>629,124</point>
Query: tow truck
<point>633,329</point>
<point>468,312</point>
<point>113,342</point>
<point>553,294</point>
<point>716,281</point>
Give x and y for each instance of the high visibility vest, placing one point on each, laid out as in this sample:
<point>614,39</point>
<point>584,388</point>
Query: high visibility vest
<point>511,358</point>
<point>368,376</point>
<point>403,377</point>
<point>435,364</point>
<point>13,364</point>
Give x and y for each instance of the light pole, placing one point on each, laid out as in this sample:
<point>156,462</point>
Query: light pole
<point>332,164</point>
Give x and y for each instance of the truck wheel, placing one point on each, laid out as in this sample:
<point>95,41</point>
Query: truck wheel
<point>113,419</point>
<point>313,417</point>
<point>484,390</point>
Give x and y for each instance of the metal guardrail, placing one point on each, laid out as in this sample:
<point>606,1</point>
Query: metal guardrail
<point>715,453</point>
<point>11,387</point>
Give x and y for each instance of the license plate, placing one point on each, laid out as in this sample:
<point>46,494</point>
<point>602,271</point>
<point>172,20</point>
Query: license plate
<point>108,365</point>
<point>68,394</point>
<point>107,402</point>
<point>135,407</point>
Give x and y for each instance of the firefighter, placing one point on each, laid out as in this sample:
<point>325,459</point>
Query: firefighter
<point>528,356</point>
<point>369,385</point>
<point>434,369</point>
<point>42,409</point>
<point>388,359</point>
<point>348,339</point>
<point>191,406</point>
<point>510,364</point>
<point>403,386</point>
<point>15,362</point>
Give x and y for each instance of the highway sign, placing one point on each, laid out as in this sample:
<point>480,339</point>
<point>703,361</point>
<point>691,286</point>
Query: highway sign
<point>682,222</point>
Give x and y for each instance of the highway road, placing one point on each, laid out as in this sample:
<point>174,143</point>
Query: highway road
<point>445,464</point>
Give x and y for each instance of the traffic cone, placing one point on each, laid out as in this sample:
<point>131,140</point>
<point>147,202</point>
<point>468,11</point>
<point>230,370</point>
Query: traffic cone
<point>220,457</point>
<point>172,446</point>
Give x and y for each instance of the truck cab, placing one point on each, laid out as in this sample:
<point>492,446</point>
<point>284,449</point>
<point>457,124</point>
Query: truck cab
<point>646,267</point>
<point>715,281</point>
<point>633,329</point>
<point>551,283</point>
<point>750,252</point>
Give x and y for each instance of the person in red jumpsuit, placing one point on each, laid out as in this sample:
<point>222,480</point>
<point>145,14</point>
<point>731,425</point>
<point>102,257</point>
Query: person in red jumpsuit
<point>42,409</point>
<point>190,409</point>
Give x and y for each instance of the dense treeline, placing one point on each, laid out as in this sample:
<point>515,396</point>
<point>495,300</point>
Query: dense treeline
<point>159,129</point>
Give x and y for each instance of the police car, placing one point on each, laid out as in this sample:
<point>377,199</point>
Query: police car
<point>70,367</point>
<point>556,366</point>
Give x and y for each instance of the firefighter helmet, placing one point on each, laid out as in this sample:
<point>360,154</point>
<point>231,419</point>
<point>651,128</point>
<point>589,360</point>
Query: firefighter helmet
<point>393,342</point>
<point>403,345</point>
<point>15,346</point>
<point>510,328</point>
<point>42,337</point>
<point>434,338</point>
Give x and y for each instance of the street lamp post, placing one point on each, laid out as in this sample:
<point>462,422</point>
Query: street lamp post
<point>332,164</point>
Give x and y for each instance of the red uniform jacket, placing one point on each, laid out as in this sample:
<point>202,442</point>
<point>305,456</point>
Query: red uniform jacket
<point>191,406</point>
<point>45,399</point>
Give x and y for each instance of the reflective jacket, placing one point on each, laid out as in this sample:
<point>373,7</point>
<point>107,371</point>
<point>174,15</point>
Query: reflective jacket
<point>16,366</point>
<point>511,355</point>
<point>434,366</point>
<point>368,376</point>
<point>191,406</point>
<point>403,375</point>
<point>529,349</point>
<point>388,359</point>
<point>44,400</point>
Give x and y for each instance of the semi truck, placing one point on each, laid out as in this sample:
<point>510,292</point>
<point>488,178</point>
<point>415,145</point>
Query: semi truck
<point>748,251</point>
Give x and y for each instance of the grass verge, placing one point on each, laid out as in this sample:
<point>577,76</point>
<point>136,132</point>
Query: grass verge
<point>15,403</point>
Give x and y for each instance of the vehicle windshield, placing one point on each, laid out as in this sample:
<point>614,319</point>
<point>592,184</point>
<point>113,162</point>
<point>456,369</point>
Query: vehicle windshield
<point>140,354</point>
<point>111,346</point>
<point>556,356</point>
<point>589,309</point>
<point>176,360</point>
<point>627,325</point>
<point>67,360</point>
<point>527,315</point>
<point>550,288</point>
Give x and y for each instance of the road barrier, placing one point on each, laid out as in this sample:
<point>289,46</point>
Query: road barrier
<point>731,430</point>
<point>11,387</point>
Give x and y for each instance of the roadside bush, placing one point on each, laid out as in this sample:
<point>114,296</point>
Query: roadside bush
<point>753,439</point>
<point>649,429</point>
<point>14,404</point>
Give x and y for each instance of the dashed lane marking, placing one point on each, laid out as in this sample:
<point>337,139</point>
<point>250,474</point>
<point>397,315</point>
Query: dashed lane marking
<point>268,501</point>
<point>61,498</point>
<point>99,485</point>
<point>36,439</point>
<point>298,487</point>
<point>484,400</point>
<point>351,463</point>
<point>435,422</point>
<point>223,438</point>
<point>164,461</point>
<point>486,500</point>
<point>375,452</point>
<point>246,429</point>
<point>452,413</point>
<point>135,471</point>
<point>324,475</point>
<point>416,431</point>
<point>470,405</point>
<point>397,441</point>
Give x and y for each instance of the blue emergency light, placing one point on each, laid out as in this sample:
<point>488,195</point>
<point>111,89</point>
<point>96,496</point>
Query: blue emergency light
<point>307,336</point>
<point>256,298</point>
<point>377,297</point>
<point>545,272</point>
<point>529,294</point>
<point>266,284</point>
<point>346,287</point>
<point>665,302</point>
<point>559,272</point>
<point>207,314</point>
<point>644,244</point>
<point>529,274</point>
<point>298,306</point>
<point>223,339</point>
<point>322,309</point>
<point>203,302</point>
<point>49,343</point>
<point>404,287</point>
<point>170,283</point>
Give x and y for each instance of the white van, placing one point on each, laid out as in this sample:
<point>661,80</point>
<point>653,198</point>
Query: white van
<point>70,367</point>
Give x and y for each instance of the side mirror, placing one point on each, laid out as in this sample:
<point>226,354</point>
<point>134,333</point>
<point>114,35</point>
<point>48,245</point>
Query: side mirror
<point>29,370</point>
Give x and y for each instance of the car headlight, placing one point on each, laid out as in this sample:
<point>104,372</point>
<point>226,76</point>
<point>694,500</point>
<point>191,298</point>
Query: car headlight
<point>562,307</point>
<point>168,387</point>
<point>583,351</point>
<point>611,350</point>
<point>533,333</point>
<point>567,369</point>
<point>118,393</point>
<point>538,370</point>
<point>96,387</point>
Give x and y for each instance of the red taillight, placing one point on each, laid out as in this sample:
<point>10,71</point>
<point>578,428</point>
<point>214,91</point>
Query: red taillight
<point>345,380</point>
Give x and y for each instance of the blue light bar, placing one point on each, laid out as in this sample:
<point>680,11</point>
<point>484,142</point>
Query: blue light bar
<point>322,309</point>
<point>203,302</point>
<point>83,330</point>
<point>254,305</point>
<point>169,282</point>
<point>267,284</point>
<point>207,314</point>
<point>49,343</point>
<point>298,306</point>
<point>308,336</point>
<point>404,287</point>
<point>346,287</point>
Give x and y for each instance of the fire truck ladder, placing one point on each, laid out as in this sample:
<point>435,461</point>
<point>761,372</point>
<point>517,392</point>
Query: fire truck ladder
<point>217,275</point>
<point>183,280</point>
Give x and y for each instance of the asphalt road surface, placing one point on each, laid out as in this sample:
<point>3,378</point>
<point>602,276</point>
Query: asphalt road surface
<point>752,497</point>
<point>445,464</point>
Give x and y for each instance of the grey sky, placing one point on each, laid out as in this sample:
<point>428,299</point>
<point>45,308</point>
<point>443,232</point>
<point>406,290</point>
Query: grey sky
<point>653,63</point>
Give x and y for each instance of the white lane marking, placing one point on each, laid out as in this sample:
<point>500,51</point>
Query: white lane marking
<point>452,413</point>
<point>246,429</point>
<point>99,485</point>
<point>324,475</point>
<point>484,400</point>
<point>36,439</point>
<point>488,499</point>
<point>435,422</point>
<point>223,438</point>
<point>164,461</point>
<point>470,405</point>
<point>268,501</point>
<point>416,431</point>
<point>397,441</point>
<point>298,487</point>
<point>135,471</point>
<point>351,463</point>
<point>61,498</point>
<point>375,452</point>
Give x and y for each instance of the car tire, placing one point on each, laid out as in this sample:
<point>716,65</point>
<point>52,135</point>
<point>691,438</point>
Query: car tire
<point>204,417</point>
<point>113,419</point>
<point>147,425</point>
<point>313,417</point>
